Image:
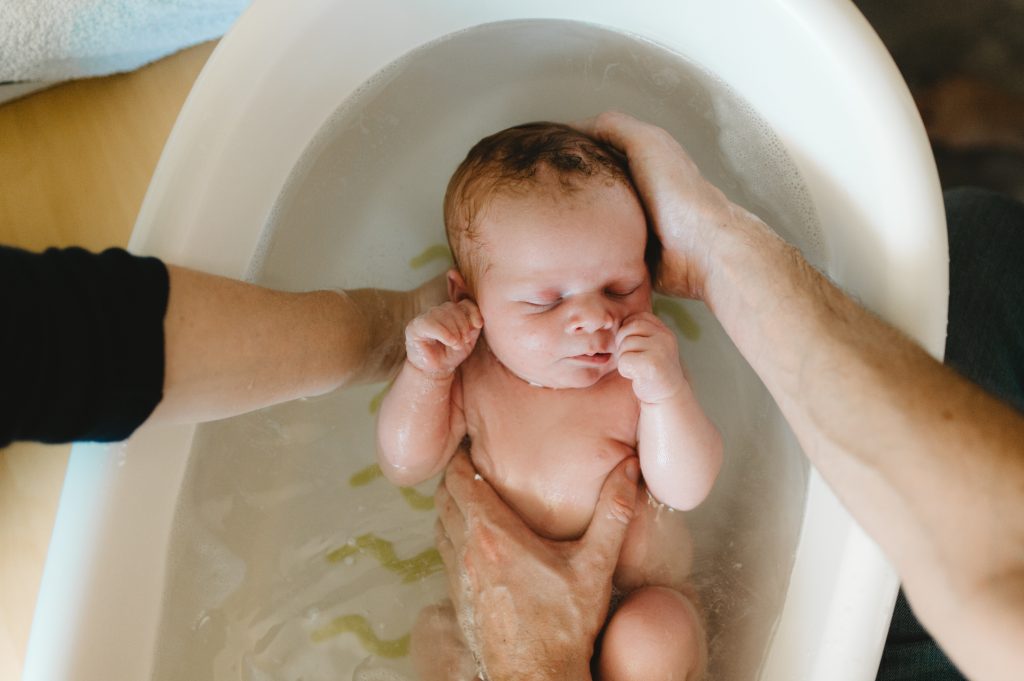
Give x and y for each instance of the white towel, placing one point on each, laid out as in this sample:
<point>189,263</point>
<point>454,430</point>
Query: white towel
<point>51,40</point>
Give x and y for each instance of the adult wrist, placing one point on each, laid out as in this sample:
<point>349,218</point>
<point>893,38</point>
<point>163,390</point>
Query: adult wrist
<point>559,656</point>
<point>369,344</point>
<point>374,329</point>
<point>693,251</point>
<point>746,248</point>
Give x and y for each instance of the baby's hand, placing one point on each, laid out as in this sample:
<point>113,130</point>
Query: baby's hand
<point>440,339</point>
<point>648,356</point>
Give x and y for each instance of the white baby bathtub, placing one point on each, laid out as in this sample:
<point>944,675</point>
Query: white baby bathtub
<point>154,571</point>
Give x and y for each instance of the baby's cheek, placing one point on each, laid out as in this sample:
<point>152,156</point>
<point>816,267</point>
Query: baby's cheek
<point>534,342</point>
<point>526,333</point>
<point>511,342</point>
<point>641,304</point>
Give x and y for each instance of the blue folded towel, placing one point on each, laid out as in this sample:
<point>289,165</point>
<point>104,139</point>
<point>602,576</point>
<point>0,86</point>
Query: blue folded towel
<point>51,40</point>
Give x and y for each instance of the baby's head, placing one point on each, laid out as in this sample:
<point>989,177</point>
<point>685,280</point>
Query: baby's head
<point>549,240</point>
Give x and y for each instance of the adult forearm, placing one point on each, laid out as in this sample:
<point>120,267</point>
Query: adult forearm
<point>231,347</point>
<point>929,464</point>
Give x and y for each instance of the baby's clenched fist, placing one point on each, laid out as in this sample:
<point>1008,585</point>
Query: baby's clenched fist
<point>441,339</point>
<point>648,356</point>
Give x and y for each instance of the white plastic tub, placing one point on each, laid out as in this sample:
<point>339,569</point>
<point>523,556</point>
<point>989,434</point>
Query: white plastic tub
<point>192,553</point>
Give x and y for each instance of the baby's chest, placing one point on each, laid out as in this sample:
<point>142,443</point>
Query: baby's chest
<point>549,451</point>
<point>542,432</point>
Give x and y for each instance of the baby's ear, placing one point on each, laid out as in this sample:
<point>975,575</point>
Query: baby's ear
<point>457,287</point>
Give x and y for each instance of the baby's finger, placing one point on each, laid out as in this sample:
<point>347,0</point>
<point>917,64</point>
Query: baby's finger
<point>467,324</point>
<point>434,328</point>
<point>461,318</point>
<point>631,344</point>
<point>629,365</point>
<point>632,331</point>
<point>641,326</point>
<point>451,318</point>
<point>631,328</point>
<point>643,320</point>
<point>643,315</point>
<point>470,321</point>
<point>468,330</point>
<point>476,320</point>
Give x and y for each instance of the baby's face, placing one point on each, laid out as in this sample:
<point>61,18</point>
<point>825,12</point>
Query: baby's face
<point>561,272</point>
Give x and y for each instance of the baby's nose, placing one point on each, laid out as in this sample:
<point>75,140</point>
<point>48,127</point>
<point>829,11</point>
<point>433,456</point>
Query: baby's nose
<point>590,315</point>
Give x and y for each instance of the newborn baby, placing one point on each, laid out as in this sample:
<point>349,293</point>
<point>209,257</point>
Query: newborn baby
<point>549,365</point>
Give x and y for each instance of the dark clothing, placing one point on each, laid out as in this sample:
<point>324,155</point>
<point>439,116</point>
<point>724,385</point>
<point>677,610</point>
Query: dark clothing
<point>985,343</point>
<point>82,345</point>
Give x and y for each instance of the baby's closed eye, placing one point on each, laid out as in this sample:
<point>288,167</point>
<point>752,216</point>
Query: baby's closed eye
<point>622,291</point>
<point>541,302</point>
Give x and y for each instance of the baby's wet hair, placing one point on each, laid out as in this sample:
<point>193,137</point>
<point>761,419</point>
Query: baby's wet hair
<point>509,162</point>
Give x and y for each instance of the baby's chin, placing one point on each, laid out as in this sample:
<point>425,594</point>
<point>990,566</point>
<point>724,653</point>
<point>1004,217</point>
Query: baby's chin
<point>572,378</point>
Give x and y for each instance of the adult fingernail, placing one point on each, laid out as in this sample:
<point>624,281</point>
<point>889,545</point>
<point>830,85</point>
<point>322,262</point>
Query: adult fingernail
<point>632,471</point>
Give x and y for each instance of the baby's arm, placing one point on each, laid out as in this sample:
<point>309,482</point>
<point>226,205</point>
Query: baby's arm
<point>680,449</point>
<point>421,421</point>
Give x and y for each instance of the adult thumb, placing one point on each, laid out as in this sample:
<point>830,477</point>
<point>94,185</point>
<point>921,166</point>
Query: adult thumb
<point>615,509</point>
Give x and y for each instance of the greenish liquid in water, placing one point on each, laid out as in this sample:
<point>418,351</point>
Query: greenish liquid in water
<point>420,566</point>
<point>360,626</point>
<point>416,500</point>
<point>429,255</point>
<point>665,307</point>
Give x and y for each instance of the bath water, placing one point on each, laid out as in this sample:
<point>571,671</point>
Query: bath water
<point>291,558</point>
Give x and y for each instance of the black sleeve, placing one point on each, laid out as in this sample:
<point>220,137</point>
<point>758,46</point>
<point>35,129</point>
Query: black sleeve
<point>81,343</point>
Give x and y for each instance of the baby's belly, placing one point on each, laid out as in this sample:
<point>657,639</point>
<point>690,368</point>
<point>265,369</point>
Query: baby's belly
<point>553,484</point>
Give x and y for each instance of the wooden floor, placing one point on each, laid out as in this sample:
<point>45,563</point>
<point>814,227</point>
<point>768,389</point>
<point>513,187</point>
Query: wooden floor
<point>75,161</point>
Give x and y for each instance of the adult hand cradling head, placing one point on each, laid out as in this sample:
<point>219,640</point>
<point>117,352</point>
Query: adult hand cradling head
<point>688,213</point>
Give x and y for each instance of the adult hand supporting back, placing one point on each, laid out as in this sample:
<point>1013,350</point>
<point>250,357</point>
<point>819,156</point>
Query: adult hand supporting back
<point>531,607</point>
<point>928,463</point>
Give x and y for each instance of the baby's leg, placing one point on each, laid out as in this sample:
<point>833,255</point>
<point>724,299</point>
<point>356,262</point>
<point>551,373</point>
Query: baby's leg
<point>658,548</point>
<point>439,653</point>
<point>655,635</point>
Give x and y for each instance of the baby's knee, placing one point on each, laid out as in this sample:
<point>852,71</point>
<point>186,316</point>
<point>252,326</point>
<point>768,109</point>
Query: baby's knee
<point>655,634</point>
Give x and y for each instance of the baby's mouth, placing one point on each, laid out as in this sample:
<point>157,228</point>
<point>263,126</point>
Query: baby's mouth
<point>593,358</point>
